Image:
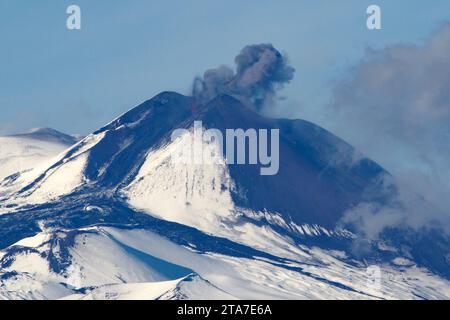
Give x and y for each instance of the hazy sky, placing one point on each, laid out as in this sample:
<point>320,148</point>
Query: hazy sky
<point>128,51</point>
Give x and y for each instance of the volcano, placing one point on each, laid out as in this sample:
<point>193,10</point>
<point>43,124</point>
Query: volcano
<point>112,217</point>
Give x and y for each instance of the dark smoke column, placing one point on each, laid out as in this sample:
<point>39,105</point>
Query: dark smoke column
<point>261,70</point>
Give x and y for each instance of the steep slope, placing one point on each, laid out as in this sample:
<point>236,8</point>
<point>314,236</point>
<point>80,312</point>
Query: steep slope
<point>48,135</point>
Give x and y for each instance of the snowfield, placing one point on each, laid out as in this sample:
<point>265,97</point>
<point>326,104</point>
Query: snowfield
<point>111,263</point>
<point>20,154</point>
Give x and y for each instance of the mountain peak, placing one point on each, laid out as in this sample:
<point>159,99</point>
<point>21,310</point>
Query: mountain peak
<point>44,130</point>
<point>48,134</point>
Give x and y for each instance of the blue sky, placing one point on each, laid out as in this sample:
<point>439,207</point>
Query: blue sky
<point>128,51</point>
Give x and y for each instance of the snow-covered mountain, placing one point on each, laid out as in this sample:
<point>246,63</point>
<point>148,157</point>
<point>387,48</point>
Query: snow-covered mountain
<point>22,152</point>
<point>112,217</point>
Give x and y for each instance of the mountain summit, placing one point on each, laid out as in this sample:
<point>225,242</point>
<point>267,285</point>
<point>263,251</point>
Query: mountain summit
<point>22,152</point>
<point>49,135</point>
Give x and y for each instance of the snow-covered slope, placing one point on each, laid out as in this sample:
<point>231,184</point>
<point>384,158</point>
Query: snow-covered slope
<point>190,287</point>
<point>197,195</point>
<point>112,263</point>
<point>49,178</point>
<point>112,217</point>
<point>23,152</point>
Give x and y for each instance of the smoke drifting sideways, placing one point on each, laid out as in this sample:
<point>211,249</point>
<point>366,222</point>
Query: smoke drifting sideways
<point>261,70</point>
<point>394,106</point>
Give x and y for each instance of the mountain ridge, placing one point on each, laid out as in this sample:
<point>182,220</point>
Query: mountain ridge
<point>48,134</point>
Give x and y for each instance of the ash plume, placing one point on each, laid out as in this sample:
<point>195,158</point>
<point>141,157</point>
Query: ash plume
<point>261,70</point>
